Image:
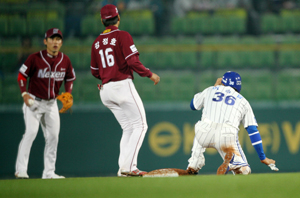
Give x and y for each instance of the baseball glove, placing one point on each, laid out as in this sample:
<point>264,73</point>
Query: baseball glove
<point>67,101</point>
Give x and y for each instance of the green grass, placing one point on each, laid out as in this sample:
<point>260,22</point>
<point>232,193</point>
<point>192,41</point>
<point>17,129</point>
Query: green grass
<point>255,185</point>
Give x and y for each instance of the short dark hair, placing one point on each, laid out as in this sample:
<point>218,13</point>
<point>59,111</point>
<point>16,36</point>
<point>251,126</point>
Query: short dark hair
<point>55,35</point>
<point>111,21</point>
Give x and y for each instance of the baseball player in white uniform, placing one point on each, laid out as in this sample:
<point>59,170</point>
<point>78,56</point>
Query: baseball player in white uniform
<point>224,108</point>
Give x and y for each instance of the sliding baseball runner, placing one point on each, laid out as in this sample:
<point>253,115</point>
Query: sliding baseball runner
<point>224,108</point>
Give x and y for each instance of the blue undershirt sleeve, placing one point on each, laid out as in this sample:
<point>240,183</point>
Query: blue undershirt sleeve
<point>192,105</point>
<point>256,141</point>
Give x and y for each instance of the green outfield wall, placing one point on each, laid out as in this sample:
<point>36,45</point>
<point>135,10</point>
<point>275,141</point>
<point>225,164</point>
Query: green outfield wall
<point>89,141</point>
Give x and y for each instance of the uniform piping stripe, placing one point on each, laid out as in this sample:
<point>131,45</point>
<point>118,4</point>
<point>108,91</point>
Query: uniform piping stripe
<point>72,79</point>
<point>62,57</point>
<point>73,75</point>
<point>49,70</point>
<point>94,68</point>
<point>109,32</point>
<point>239,163</point>
<point>131,54</point>
<point>142,127</point>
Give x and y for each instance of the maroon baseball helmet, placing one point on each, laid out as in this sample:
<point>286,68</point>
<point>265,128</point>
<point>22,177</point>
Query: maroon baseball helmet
<point>109,11</point>
<point>53,31</point>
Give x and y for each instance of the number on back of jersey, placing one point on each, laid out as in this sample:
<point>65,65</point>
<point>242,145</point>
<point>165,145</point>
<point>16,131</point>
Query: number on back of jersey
<point>229,100</point>
<point>107,58</point>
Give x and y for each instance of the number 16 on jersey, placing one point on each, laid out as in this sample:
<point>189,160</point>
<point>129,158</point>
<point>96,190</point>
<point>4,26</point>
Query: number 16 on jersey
<point>109,58</point>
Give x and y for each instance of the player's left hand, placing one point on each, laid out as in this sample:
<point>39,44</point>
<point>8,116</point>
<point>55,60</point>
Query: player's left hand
<point>155,78</point>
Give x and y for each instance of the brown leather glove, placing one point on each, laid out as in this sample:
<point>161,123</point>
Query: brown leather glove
<point>67,101</point>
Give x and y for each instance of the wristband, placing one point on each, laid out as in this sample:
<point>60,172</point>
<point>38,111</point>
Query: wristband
<point>24,93</point>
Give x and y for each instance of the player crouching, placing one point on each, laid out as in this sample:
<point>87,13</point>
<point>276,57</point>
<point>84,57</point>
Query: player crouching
<point>224,108</point>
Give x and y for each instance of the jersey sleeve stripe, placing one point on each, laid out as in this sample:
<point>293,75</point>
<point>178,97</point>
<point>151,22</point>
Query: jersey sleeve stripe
<point>94,68</point>
<point>255,143</point>
<point>71,79</point>
<point>131,54</point>
<point>255,138</point>
<point>23,73</point>
<point>253,133</point>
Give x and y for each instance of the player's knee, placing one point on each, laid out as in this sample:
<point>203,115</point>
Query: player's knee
<point>127,128</point>
<point>52,138</point>
<point>246,170</point>
<point>30,135</point>
<point>145,127</point>
<point>201,164</point>
<point>140,125</point>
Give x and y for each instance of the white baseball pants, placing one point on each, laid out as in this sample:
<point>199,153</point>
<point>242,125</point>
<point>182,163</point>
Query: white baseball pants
<point>214,135</point>
<point>125,103</point>
<point>47,114</point>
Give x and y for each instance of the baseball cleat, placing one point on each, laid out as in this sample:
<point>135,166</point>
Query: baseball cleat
<point>53,176</point>
<point>119,174</point>
<point>192,171</point>
<point>22,175</point>
<point>136,172</point>
<point>224,168</point>
<point>123,175</point>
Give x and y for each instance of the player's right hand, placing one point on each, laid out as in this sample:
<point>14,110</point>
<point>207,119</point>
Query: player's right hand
<point>268,161</point>
<point>218,82</point>
<point>155,78</point>
<point>26,98</point>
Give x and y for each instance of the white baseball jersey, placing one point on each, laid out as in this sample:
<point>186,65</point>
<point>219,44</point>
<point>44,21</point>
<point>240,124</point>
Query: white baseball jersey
<point>223,111</point>
<point>222,104</point>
